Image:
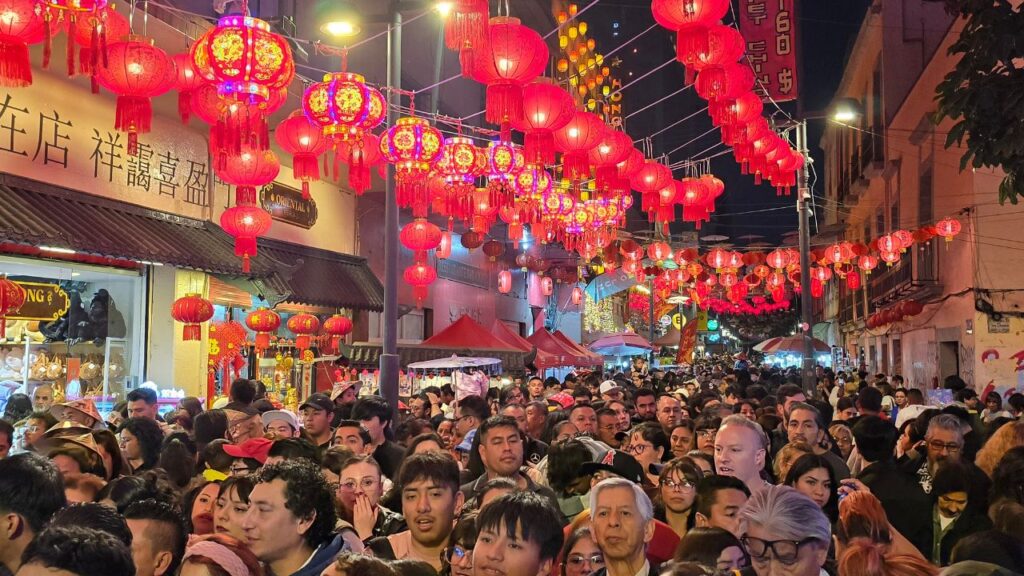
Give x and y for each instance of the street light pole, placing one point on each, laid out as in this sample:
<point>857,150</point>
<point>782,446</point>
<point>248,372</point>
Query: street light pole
<point>389,364</point>
<point>803,207</point>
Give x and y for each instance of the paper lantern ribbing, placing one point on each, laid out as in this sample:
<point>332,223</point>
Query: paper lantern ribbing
<point>264,322</point>
<point>136,71</point>
<point>948,228</point>
<point>613,148</point>
<point>245,223</point>
<point>504,281</point>
<point>546,108</point>
<point>303,326</point>
<point>187,80</point>
<point>413,146</point>
<point>575,140</point>
<point>673,14</point>
<point>247,171</point>
<point>715,83</point>
<point>20,25</point>
<point>192,310</point>
<point>337,326</point>
<point>512,56</point>
<point>305,141</point>
<point>419,236</point>
<point>344,105</point>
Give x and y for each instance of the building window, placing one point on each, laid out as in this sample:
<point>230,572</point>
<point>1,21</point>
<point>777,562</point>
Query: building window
<point>412,326</point>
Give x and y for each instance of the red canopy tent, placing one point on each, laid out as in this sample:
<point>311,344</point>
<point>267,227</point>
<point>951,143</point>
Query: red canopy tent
<point>594,359</point>
<point>467,334</point>
<point>566,355</point>
<point>541,359</point>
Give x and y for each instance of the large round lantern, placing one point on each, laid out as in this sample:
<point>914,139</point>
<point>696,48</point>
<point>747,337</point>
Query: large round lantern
<point>659,251</point>
<point>244,58</point>
<point>778,259</point>
<point>337,327</point>
<point>613,148</point>
<point>651,177</point>
<point>867,263</point>
<point>419,236</point>
<point>493,249</point>
<point>192,310</point>
<point>344,106</point>
<point>420,275</point>
<point>948,228</point>
<point>511,56</point>
<point>413,146</point>
<point>471,240</point>
<point>247,171</point>
<point>20,25</point>
<point>12,297</point>
<point>186,81</point>
<point>504,281</point>
<point>715,83</point>
<point>303,326</point>
<point>264,322</point>
<point>575,140</point>
<point>305,142</point>
<point>245,223</point>
<point>460,164</point>
<point>674,14</point>
<point>546,108</point>
<point>136,71</point>
<point>93,31</point>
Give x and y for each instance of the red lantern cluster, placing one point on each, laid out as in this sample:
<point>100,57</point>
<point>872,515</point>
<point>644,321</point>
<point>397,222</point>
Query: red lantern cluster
<point>895,313</point>
<point>20,25</point>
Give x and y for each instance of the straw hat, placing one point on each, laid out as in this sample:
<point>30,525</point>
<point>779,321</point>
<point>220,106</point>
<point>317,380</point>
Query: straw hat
<point>83,406</point>
<point>66,433</point>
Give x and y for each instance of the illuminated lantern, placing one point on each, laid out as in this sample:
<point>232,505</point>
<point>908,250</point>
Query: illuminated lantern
<point>888,243</point>
<point>651,177</point>
<point>136,71</point>
<point>192,310</point>
<point>867,263</point>
<point>546,108</point>
<point>460,163</point>
<point>762,271</point>
<point>419,236</point>
<point>413,146</point>
<point>533,182</point>
<point>727,81</point>
<point>337,326</point>
<point>186,81</point>
<point>466,28</point>
<point>821,274</point>
<point>504,281</point>
<point>674,14</point>
<point>420,275</point>
<point>305,142</point>
<point>948,228</point>
<point>659,251</point>
<point>817,288</point>
<point>248,171</point>
<point>723,45</point>
<point>471,240</point>
<point>92,31</point>
<point>575,140</point>
<point>613,148</point>
<point>717,258</point>
<point>245,223</point>
<point>504,161</point>
<point>511,56</point>
<point>778,259</point>
<point>547,286</point>
<point>890,258</point>
<point>853,281</point>
<point>12,297</point>
<point>20,25</point>
<point>303,326</point>
<point>493,249</point>
<point>264,322</point>
<point>344,106</point>
<point>577,296</point>
<point>905,238</point>
<point>444,246</point>
<point>360,155</point>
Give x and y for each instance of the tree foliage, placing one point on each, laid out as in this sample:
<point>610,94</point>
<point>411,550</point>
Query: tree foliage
<point>984,94</point>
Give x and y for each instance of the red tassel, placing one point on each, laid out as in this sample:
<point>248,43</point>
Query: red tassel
<point>540,147</point>
<point>305,190</point>
<point>48,44</point>
<point>86,57</point>
<point>305,168</point>
<point>69,50</point>
<point>15,68</point>
<point>185,106</point>
<point>103,46</point>
<point>466,61</point>
<point>504,103</point>
<point>133,115</point>
<point>245,264</point>
<point>192,332</point>
<point>94,83</point>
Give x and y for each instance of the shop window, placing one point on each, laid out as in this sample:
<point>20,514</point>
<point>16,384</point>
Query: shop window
<point>80,332</point>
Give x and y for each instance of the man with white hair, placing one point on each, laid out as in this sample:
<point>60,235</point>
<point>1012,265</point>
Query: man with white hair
<point>622,519</point>
<point>740,451</point>
<point>944,441</point>
<point>785,532</point>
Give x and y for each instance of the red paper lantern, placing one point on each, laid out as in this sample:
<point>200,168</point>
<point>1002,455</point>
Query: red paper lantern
<point>337,326</point>
<point>420,275</point>
<point>651,177</point>
<point>303,326</point>
<point>20,25</point>
<point>12,297</point>
<point>546,108</point>
<point>247,171</point>
<point>444,247</point>
<point>511,56</point>
<point>674,14</point>
<point>263,321</point>
<point>724,45</point>
<point>192,310</point>
<point>344,106</point>
<point>584,131</point>
<point>244,58</point>
<point>419,236</point>
<point>613,148</point>
<point>504,281</point>
<point>853,281</point>
<point>659,251</point>
<point>867,263</point>
<point>715,83</point>
<point>493,249</point>
<point>577,296</point>
<point>471,240</point>
<point>547,286</point>
<point>948,228</point>
<point>912,308</point>
<point>136,71</point>
<point>245,223</point>
<point>778,259</point>
<point>92,31</point>
<point>413,146</point>
<point>187,80</point>
<point>461,162</point>
<point>305,142</point>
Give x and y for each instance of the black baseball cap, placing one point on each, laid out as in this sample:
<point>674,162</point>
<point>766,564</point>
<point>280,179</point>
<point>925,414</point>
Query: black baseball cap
<point>319,401</point>
<point>619,463</point>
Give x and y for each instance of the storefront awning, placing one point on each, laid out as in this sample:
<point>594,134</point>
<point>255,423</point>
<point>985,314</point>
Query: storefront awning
<point>37,214</point>
<point>317,277</point>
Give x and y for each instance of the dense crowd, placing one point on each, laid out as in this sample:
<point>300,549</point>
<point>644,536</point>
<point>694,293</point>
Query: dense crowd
<point>727,468</point>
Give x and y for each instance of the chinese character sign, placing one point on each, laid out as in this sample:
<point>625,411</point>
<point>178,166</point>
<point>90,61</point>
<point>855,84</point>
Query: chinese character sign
<point>769,27</point>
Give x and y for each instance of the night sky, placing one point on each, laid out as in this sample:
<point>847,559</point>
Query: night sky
<point>826,31</point>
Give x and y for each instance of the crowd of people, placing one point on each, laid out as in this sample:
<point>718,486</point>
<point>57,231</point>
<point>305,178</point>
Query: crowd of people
<point>727,468</point>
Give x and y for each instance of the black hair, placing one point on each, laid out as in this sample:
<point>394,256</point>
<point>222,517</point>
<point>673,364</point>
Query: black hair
<point>495,422</point>
<point>465,531</point>
<point>293,448</point>
<point>126,490</point>
<point>915,396</point>
<point>18,407</point>
<point>242,391</point>
<point>534,516</point>
<point>215,457</point>
<point>845,403</point>
<point>167,531</point>
<point>989,546</point>
<point>805,464</point>
<point>968,393</point>
<point>552,382</point>
<point>581,391</point>
<point>787,391</point>
<point>498,483</point>
<point>438,468</point>
<point>565,459</point>
<point>446,389</point>
<point>150,437</point>
<point>869,399</point>
<point>7,429</point>
<point>108,440</point>
<point>31,487</point>
<point>192,405</point>
<point>951,476</point>
<point>707,422</point>
<point>710,486</point>
<point>369,406</point>
<point>411,428</point>
<point>474,406</point>
<point>364,434</point>
<point>147,395</point>
<point>209,426</point>
<point>409,567</point>
<point>94,515</point>
<point>81,551</point>
<point>45,416</point>
<point>875,438</point>
<point>506,392</point>
<point>954,383</point>
<point>1008,477</point>
<point>420,439</point>
<point>705,545</point>
<point>654,433</point>
<point>335,458</point>
<point>178,458</point>
<point>242,484</point>
<point>306,494</point>
<point>641,392</point>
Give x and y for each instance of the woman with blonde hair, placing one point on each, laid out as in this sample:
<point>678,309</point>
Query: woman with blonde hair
<point>1008,436</point>
<point>867,544</point>
<point>787,455</point>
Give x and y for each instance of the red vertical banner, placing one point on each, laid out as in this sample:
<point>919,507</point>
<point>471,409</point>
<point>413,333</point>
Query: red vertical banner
<point>687,343</point>
<point>769,27</point>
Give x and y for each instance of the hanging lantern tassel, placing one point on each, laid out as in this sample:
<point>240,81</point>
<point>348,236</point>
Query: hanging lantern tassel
<point>358,171</point>
<point>133,115</point>
<point>15,68</point>
<point>69,51</point>
<point>504,104</point>
<point>306,169</point>
<point>48,42</point>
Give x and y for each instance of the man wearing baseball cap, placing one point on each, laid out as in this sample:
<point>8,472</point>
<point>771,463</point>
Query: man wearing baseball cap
<point>610,390</point>
<point>280,424</point>
<point>317,412</point>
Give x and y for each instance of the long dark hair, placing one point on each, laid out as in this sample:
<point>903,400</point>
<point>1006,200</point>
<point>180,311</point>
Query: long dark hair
<point>150,437</point>
<point>805,464</point>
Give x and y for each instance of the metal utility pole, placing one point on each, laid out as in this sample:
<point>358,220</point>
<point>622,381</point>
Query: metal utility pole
<point>389,365</point>
<point>803,207</point>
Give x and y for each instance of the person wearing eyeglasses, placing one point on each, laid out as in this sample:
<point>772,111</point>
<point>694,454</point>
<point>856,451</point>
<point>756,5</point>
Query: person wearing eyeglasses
<point>785,532</point>
<point>944,441</point>
<point>581,556</point>
<point>457,557</point>
<point>358,497</point>
<point>649,444</point>
<point>677,493</point>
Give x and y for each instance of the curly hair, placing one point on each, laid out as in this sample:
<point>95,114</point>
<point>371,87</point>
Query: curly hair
<point>150,436</point>
<point>1006,437</point>
<point>80,550</point>
<point>306,495</point>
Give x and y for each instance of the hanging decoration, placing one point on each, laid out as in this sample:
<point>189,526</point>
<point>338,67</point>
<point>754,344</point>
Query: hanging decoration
<point>420,276</point>
<point>413,146</point>
<point>504,281</point>
<point>187,80</point>
<point>136,71</point>
<point>93,31</point>
<point>337,327</point>
<point>192,310</point>
<point>420,236</point>
<point>466,29</point>
<point>305,142</point>
<point>304,326</point>
<point>20,25</point>
<point>584,131</point>
<point>264,322</point>
<point>12,297</point>
<point>546,108</point>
